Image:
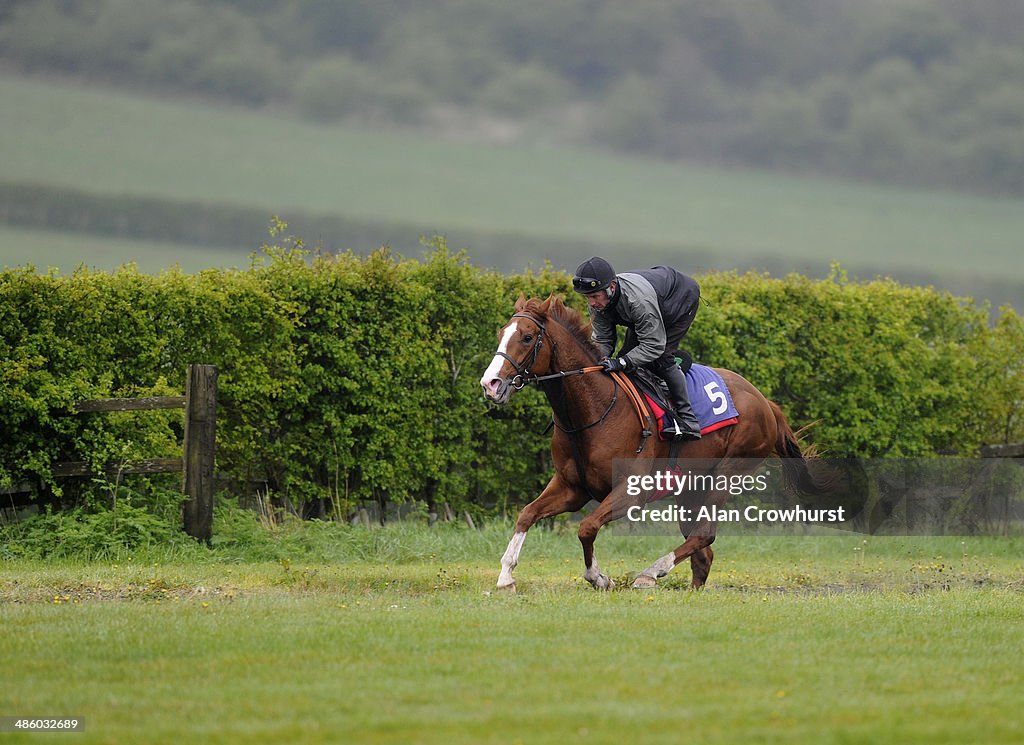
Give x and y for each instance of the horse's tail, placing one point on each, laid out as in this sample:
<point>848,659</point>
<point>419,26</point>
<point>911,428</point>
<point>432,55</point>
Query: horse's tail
<point>795,461</point>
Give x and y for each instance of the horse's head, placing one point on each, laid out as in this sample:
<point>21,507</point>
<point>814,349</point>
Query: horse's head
<point>523,350</point>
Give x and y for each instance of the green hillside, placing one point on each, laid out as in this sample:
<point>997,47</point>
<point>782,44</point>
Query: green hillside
<point>510,206</point>
<point>921,93</point>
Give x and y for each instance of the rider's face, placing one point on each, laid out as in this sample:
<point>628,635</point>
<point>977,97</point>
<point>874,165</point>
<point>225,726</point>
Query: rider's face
<point>599,300</point>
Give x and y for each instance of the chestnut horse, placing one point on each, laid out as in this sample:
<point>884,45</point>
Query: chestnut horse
<point>594,426</point>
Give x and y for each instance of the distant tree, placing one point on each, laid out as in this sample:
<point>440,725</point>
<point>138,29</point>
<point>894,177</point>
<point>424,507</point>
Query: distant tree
<point>922,91</point>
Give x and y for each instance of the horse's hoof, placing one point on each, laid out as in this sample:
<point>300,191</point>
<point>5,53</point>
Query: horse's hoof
<point>508,589</point>
<point>644,582</point>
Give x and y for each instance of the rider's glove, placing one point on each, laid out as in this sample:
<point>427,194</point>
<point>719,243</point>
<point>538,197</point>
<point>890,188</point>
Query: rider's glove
<point>615,364</point>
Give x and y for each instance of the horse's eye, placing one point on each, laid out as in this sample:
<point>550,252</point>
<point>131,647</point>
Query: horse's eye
<point>527,339</point>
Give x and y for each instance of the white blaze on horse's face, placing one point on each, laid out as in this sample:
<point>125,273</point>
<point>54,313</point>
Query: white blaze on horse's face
<point>495,388</point>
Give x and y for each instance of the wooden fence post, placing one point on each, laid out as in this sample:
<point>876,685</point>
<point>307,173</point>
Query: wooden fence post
<point>200,447</point>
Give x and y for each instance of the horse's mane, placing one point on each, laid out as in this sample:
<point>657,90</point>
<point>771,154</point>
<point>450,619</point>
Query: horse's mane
<point>570,319</point>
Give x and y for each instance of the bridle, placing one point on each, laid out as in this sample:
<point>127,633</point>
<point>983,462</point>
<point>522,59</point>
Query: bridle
<point>523,375</point>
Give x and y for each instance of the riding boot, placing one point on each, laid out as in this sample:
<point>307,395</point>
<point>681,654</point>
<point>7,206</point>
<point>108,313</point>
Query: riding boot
<point>689,427</point>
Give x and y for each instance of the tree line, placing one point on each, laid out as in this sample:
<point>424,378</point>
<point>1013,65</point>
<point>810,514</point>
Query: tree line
<point>915,92</point>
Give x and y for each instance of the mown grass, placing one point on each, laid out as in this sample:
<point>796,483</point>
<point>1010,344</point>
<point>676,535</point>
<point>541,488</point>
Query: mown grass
<point>104,142</point>
<point>396,636</point>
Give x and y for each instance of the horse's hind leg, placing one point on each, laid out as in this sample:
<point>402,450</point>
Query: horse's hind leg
<point>700,535</point>
<point>700,565</point>
<point>691,502</point>
<point>696,547</point>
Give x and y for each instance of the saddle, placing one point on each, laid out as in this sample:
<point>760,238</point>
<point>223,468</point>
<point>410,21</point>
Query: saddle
<point>709,396</point>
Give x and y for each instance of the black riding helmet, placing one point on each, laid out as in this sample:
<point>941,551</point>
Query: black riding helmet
<point>592,275</point>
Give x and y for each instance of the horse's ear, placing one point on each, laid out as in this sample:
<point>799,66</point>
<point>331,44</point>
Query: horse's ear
<point>556,300</point>
<point>520,303</point>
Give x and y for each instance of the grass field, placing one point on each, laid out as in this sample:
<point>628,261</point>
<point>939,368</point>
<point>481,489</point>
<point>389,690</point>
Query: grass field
<point>114,144</point>
<point>394,636</point>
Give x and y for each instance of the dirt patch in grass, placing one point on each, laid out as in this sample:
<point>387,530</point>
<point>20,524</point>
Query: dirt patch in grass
<point>154,590</point>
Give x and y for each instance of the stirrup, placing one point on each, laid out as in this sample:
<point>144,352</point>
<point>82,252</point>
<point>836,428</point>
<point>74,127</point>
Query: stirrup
<point>681,435</point>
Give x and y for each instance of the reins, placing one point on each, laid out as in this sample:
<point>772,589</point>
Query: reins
<point>519,382</point>
<point>607,411</point>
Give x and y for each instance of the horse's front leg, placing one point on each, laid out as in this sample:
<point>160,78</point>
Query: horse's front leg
<point>614,506</point>
<point>510,560</point>
<point>556,498</point>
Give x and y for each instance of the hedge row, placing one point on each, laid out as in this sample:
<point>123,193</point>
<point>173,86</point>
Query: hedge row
<point>340,376</point>
<point>881,369</point>
<point>345,378</point>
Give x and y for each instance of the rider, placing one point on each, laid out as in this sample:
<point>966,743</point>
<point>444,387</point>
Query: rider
<point>656,306</point>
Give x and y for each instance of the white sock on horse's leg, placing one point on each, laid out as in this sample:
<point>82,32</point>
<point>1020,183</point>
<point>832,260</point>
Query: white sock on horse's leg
<point>510,560</point>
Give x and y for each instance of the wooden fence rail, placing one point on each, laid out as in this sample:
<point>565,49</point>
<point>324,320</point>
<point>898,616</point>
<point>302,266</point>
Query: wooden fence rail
<point>150,403</point>
<point>1011,450</point>
<point>198,450</point>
